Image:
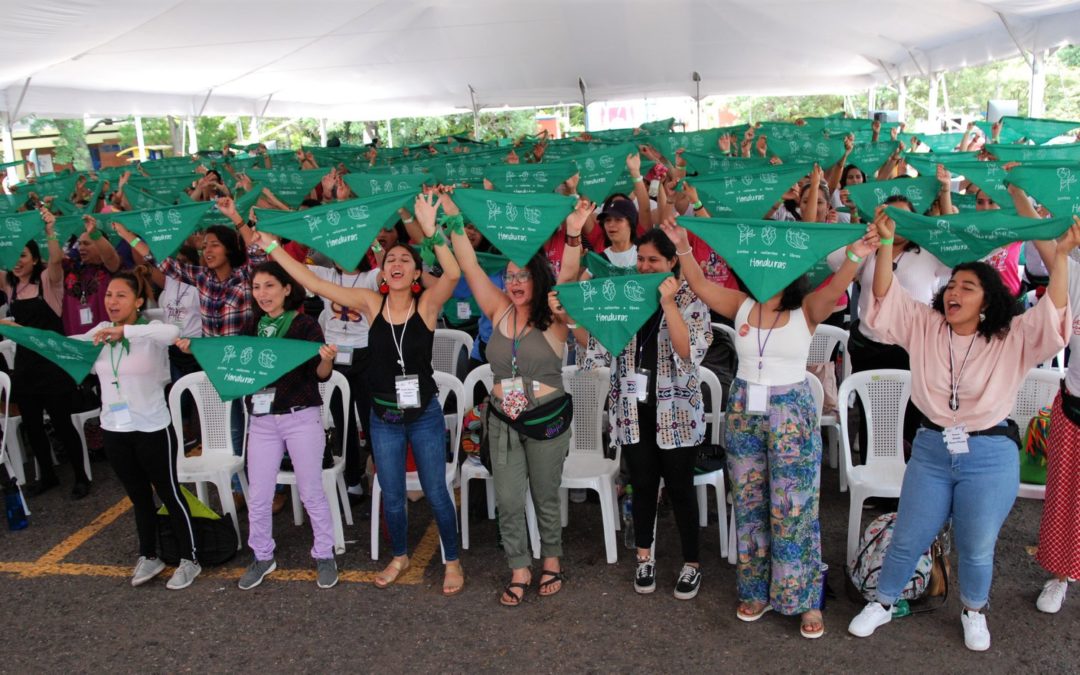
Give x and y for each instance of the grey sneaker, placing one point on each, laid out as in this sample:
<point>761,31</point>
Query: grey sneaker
<point>185,573</point>
<point>146,569</point>
<point>256,572</point>
<point>327,571</point>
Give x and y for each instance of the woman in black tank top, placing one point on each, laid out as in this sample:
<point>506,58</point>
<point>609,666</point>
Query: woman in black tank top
<point>406,409</point>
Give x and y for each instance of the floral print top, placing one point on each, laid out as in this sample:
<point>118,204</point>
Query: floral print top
<point>680,410</point>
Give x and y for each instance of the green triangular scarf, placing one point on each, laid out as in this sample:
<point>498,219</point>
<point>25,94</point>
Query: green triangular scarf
<point>692,141</point>
<point>1064,152</point>
<point>74,357</point>
<point>748,193</point>
<point>162,187</point>
<point>371,184</point>
<point>965,237</point>
<point>66,227</point>
<point>243,207</point>
<point>242,365</point>
<point>601,171</point>
<point>1038,130</point>
<point>1055,187</point>
<point>938,142</point>
<point>920,191</point>
<point>530,178</point>
<point>824,151</point>
<point>163,229</point>
<point>15,230</point>
<point>517,224</point>
<point>871,156</point>
<point>600,267</point>
<point>987,176</point>
<point>767,255</point>
<point>614,308</point>
<point>1008,134</point>
<point>342,230</point>
<point>706,163</point>
<point>291,186</point>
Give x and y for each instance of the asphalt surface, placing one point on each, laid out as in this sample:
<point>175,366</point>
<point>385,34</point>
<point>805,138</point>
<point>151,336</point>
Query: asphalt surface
<point>70,607</point>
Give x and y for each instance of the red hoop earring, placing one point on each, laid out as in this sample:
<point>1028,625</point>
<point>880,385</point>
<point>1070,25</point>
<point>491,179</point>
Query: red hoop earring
<point>384,287</point>
<point>416,287</point>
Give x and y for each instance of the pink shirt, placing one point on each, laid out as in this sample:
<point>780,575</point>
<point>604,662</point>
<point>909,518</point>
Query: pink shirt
<point>994,370</point>
<point>1006,260</point>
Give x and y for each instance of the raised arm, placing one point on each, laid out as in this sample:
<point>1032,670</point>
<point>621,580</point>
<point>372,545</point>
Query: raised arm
<point>810,214</point>
<point>945,205</point>
<point>821,303</point>
<point>55,270</point>
<point>719,299</point>
<point>433,299</point>
<point>1058,288</point>
<point>570,269</point>
<point>836,171</point>
<point>641,193</point>
<point>883,271</point>
<point>490,298</point>
<point>109,257</point>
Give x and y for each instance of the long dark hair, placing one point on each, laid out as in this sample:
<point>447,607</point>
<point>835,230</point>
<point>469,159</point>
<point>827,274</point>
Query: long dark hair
<point>234,248</point>
<point>543,279</point>
<point>293,301</point>
<point>792,296</point>
<point>663,245</point>
<point>35,271</point>
<point>1001,305</point>
<point>844,173</point>
<point>138,282</point>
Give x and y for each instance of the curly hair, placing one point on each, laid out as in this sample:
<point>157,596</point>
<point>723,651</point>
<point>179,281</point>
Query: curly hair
<point>1000,304</point>
<point>543,280</point>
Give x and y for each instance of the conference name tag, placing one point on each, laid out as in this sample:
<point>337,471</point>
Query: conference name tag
<point>262,400</point>
<point>637,385</point>
<point>120,412</point>
<point>956,439</point>
<point>408,391</point>
<point>86,316</point>
<point>464,311</point>
<point>757,398</point>
<point>344,356</point>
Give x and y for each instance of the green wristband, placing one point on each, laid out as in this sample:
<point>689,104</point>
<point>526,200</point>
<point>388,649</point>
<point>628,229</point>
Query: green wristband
<point>886,242</point>
<point>854,258</point>
<point>697,205</point>
<point>270,249</point>
<point>135,242</point>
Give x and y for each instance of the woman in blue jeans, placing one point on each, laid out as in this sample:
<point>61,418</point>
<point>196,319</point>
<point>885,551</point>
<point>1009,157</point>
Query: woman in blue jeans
<point>405,405</point>
<point>969,354</point>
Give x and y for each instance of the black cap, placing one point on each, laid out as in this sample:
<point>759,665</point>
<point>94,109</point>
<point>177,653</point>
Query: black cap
<point>622,208</point>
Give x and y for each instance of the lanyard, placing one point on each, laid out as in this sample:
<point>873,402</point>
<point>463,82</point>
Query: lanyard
<point>116,364</point>
<point>514,344</point>
<point>648,336</point>
<point>954,382</point>
<point>340,282</point>
<point>399,345</point>
<point>761,345</point>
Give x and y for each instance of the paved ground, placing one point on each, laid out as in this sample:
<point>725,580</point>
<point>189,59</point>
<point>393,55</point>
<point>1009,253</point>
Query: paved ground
<point>64,582</point>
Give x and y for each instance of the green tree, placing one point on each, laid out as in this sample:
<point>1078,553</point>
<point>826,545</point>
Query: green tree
<point>70,146</point>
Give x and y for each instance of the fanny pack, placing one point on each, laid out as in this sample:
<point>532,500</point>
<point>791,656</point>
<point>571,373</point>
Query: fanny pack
<point>386,407</point>
<point>543,422</point>
<point>1070,405</point>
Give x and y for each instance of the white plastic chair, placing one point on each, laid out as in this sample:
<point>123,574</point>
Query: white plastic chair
<point>585,466</point>
<point>714,416</point>
<point>79,420</point>
<point>333,478</point>
<point>884,394</point>
<point>12,444</point>
<point>217,464</point>
<point>723,327</point>
<point>473,470</point>
<point>5,459</point>
<point>1039,389</point>
<point>825,340</point>
<point>447,348</point>
<point>447,384</point>
<point>1056,362</point>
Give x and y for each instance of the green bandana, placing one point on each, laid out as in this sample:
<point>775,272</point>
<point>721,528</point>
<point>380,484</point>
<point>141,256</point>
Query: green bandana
<point>244,204</point>
<point>871,156</point>
<point>291,186</point>
<point>270,327</point>
<point>785,131</point>
<point>141,200</point>
<point>938,142</point>
<point>461,310</point>
<point>163,229</point>
<point>1055,187</point>
<point>965,237</point>
<point>530,178</point>
<point>1009,134</point>
<point>342,230</point>
<point>825,151</point>
<point>8,165</point>
<point>1037,130</point>
<point>703,163</point>
<point>692,141</point>
<point>65,227</point>
<point>60,187</point>
<point>767,255</point>
<point>1064,152</point>
<point>658,127</point>
<point>599,267</point>
<point>162,187</point>
<point>18,228</point>
<point>371,184</point>
<point>601,171</point>
<point>74,357</point>
<point>963,203</point>
<point>749,193</point>
<point>242,365</point>
<point>612,309</point>
<point>987,176</point>
<point>518,224</point>
<point>184,166</point>
<point>920,191</point>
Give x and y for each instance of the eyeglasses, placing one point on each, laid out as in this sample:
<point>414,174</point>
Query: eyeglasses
<point>521,276</point>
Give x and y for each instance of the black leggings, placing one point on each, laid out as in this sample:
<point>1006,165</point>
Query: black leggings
<point>647,464</point>
<point>361,405</point>
<point>60,400</point>
<point>145,463</point>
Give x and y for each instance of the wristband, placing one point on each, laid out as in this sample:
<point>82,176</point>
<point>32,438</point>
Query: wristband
<point>134,242</point>
<point>853,258</point>
<point>638,179</point>
<point>270,249</point>
<point>886,242</point>
<point>573,241</point>
<point>686,252</point>
<point>52,237</point>
<point>96,234</point>
<point>427,248</point>
<point>697,205</point>
<point>408,221</point>
<point>572,326</point>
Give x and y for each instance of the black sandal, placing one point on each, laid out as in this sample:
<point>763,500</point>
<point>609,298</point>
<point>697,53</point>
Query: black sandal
<point>556,577</point>
<point>509,592</point>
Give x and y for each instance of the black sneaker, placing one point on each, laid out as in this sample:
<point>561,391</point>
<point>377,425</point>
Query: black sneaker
<point>688,584</point>
<point>645,579</point>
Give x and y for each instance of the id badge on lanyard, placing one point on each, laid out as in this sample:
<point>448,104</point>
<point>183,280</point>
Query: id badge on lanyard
<point>407,388</point>
<point>344,356</point>
<point>262,400</point>
<point>757,398</point>
<point>636,385</point>
<point>120,412</point>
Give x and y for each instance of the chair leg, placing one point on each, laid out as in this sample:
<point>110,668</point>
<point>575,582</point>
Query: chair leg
<point>834,459</point>
<point>15,455</point>
<point>530,523</point>
<point>721,515</point>
<point>204,495</point>
<point>703,505</point>
<point>489,485</point>
<point>843,479</point>
<point>343,497</point>
<point>330,490</point>
<point>376,501</point>
<point>297,508</point>
<point>463,518</point>
<point>605,488</point>
<point>80,429</point>
<point>854,524</point>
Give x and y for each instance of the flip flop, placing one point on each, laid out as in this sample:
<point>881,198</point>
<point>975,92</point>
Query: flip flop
<point>455,572</point>
<point>749,618</point>
<point>556,578</point>
<point>398,568</point>
<point>509,591</point>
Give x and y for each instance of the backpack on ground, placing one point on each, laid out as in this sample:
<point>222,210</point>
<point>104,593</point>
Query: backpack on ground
<point>215,538</point>
<point>931,573</point>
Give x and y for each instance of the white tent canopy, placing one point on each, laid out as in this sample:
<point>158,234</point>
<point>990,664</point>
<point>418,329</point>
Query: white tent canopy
<point>360,59</point>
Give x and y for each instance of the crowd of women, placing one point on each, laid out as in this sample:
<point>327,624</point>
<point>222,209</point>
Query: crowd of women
<point>961,333</point>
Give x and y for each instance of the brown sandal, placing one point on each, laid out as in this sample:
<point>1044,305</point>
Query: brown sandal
<point>391,573</point>
<point>453,578</point>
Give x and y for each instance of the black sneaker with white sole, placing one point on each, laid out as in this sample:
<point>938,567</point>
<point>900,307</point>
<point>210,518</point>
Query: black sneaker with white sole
<point>688,583</point>
<point>645,579</point>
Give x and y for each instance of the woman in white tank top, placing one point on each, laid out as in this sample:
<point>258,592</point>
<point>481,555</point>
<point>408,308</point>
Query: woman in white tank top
<point>773,443</point>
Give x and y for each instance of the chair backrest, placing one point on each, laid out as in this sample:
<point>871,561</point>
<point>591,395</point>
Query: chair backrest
<point>449,384</point>
<point>884,395</point>
<point>724,328</point>
<point>447,348</point>
<point>478,375</point>
<point>1056,362</point>
<point>589,389</point>
<point>714,412</point>
<point>825,340</point>
<point>5,400</point>
<point>337,383</point>
<point>215,415</point>
<point>7,350</point>
<point>818,392</point>
<point>1038,390</point>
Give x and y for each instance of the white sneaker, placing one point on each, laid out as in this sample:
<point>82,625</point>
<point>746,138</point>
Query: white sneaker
<point>185,573</point>
<point>1053,594</point>
<point>869,619</point>
<point>976,634</point>
<point>146,569</point>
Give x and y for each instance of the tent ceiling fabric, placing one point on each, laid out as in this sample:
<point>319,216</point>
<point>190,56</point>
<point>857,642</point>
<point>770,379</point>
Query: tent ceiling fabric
<point>359,59</point>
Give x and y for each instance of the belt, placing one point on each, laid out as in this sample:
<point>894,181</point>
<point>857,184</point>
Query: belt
<point>1010,429</point>
<point>289,411</point>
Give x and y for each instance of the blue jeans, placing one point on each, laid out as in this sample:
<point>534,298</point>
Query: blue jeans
<point>427,435</point>
<point>977,489</point>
